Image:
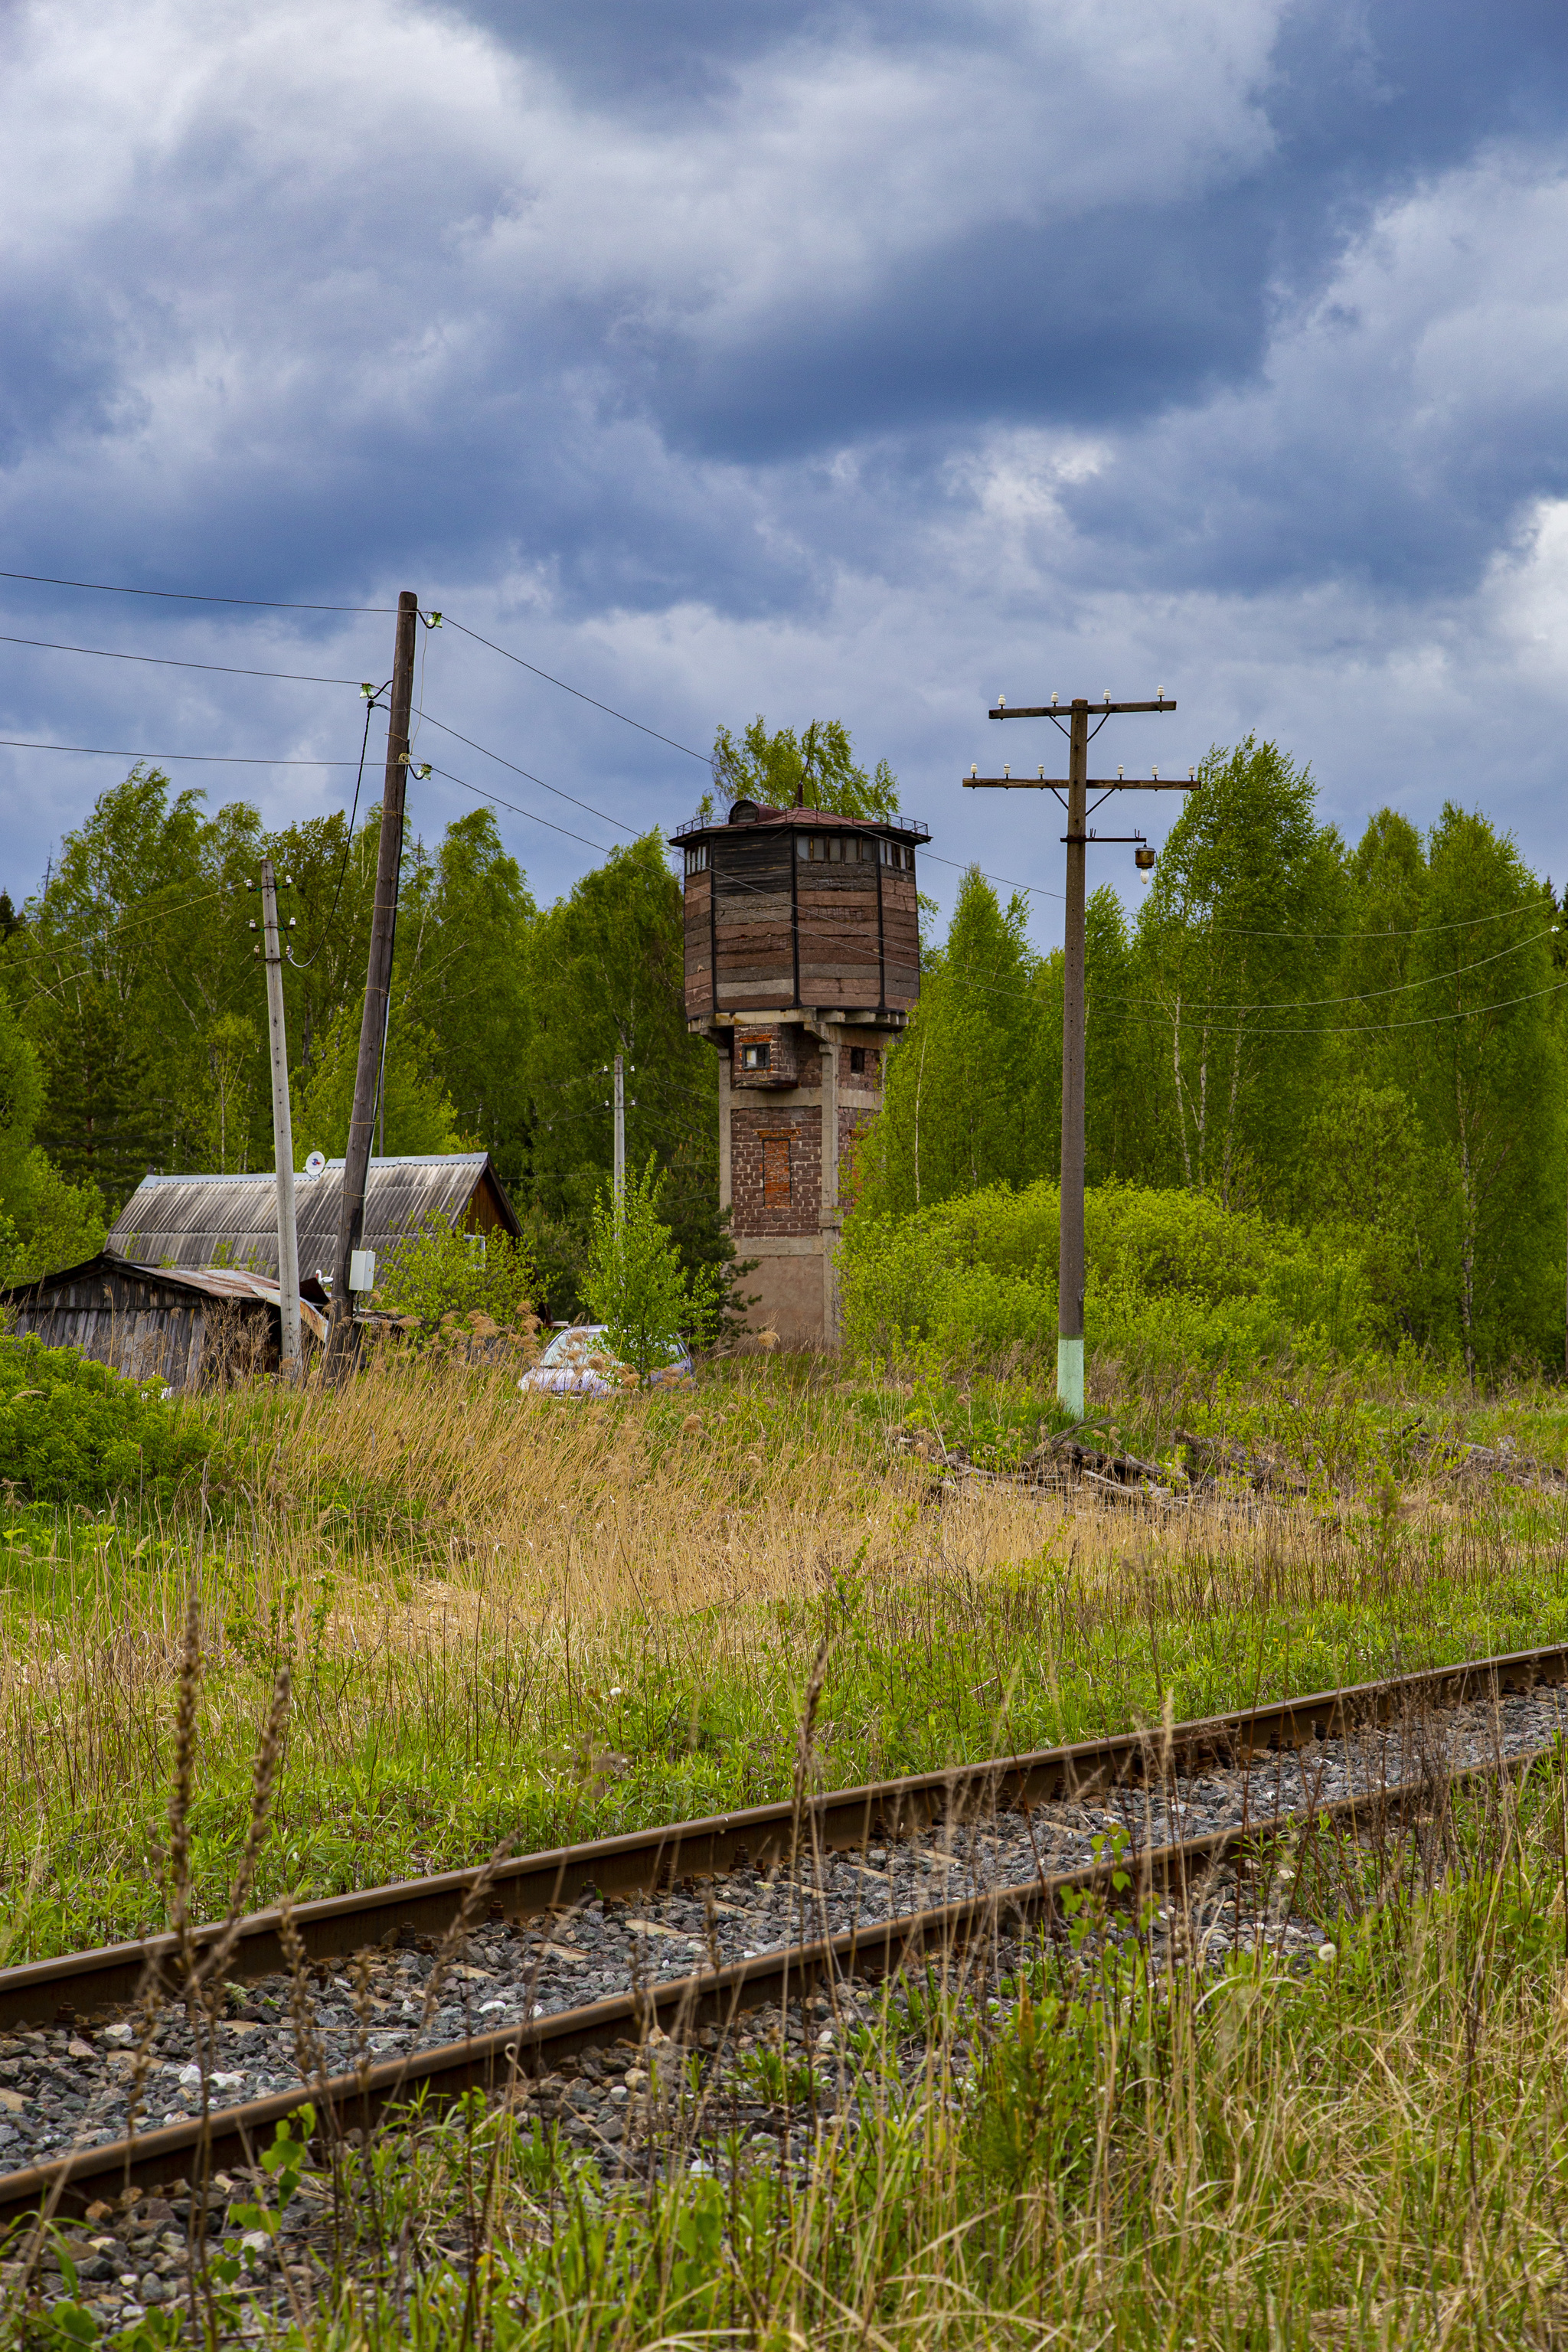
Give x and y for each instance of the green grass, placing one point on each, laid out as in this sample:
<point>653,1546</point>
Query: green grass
<point>580,1687</point>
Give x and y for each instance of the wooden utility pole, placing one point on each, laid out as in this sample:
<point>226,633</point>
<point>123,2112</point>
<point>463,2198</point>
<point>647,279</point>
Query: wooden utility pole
<point>378,975</point>
<point>620,1137</point>
<point>1074,720</point>
<point>283,1131</point>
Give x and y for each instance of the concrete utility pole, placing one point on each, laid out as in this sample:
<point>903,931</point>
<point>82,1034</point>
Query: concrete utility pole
<point>282,1130</point>
<point>1073,718</point>
<point>620,1137</point>
<point>378,975</point>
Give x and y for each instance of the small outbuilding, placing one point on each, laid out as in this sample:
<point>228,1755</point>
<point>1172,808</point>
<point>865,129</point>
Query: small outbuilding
<point>186,1326</point>
<point>232,1221</point>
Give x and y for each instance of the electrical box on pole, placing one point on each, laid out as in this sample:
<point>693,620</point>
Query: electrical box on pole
<point>1073,720</point>
<point>282,1130</point>
<point>378,977</point>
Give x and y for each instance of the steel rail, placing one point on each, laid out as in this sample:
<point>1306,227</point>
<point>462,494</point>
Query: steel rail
<point>500,2062</point>
<point>81,1985</point>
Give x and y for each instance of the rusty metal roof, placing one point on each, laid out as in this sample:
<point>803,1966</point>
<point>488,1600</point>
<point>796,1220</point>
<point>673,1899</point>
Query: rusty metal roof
<point>212,1281</point>
<point>800,820</point>
<point>221,1222</point>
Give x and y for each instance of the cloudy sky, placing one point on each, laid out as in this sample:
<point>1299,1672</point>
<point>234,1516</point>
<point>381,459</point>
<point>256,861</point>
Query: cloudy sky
<point>856,361</point>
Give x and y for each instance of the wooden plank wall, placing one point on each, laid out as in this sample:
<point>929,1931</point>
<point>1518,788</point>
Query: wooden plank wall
<point>698,956</point>
<point>846,959</point>
<point>148,1331</point>
<point>756,918</point>
<point>901,941</point>
<point>840,945</point>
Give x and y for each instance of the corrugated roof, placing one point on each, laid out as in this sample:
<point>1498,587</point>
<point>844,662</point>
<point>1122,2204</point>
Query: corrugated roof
<point>231,1222</point>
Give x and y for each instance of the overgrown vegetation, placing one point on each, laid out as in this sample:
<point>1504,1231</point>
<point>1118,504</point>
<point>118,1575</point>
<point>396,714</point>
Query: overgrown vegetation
<point>441,1275</point>
<point>1365,1047</point>
<point>1367,2150</point>
<point>73,1432</point>
<point>549,1618</point>
<point>1177,1282</point>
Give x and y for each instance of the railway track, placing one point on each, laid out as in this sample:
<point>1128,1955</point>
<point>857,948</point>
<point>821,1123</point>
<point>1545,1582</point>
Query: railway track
<point>684,1929</point>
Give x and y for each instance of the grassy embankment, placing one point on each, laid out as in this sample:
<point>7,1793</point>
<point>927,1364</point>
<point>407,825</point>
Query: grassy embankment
<point>543,1619</point>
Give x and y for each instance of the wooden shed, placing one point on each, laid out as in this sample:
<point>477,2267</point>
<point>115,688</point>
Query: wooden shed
<point>232,1221</point>
<point>185,1326</point>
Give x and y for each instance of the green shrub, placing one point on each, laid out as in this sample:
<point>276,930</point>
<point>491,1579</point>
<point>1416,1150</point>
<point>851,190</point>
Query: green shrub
<point>1172,1277</point>
<point>439,1271</point>
<point>72,1431</point>
<point>636,1284</point>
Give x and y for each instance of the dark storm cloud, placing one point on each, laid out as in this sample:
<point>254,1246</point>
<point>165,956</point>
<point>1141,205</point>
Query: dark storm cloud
<point>747,354</point>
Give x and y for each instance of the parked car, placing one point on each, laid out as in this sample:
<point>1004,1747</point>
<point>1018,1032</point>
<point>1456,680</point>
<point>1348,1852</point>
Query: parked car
<point>580,1363</point>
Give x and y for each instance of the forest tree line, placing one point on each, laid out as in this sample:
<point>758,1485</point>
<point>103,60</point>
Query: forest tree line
<point>1364,1043</point>
<point>134,1026</point>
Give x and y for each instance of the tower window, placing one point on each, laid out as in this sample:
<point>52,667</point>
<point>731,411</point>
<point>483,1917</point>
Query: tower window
<point>775,1171</point>
<point>755,1057</point>
<point>831,848</point>
<point>857,1060</point>
<point>697,859</point>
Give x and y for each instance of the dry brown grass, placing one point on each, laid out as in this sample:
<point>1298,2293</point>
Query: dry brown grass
<point>525,1615</point>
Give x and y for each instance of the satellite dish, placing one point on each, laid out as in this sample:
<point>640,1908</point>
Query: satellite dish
<point>315,1163</point>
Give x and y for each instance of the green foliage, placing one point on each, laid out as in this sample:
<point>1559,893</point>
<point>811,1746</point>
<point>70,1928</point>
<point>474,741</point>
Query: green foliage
<point>634,1283</point>
<point>413,1113</point>
<point>465,921</point>
<point>45,1221</point>
<point>607,977</point>
<point>441,1271</point>
<point>1173,1279</point>
<point>1247,889</point>
<point>815,769</point>
<point>1366,1048</point>
<point>962,1106</point>
<point>72,1431</point>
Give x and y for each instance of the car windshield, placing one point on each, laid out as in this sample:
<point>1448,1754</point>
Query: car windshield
<point>585,1340</point>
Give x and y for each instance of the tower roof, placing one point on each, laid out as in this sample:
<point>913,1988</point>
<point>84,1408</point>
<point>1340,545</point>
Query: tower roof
<point>749,814</point>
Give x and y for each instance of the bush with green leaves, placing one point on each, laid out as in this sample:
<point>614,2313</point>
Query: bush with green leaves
<point>439,1271</point>
<point>1173,1278</point>
<point>636,1284</point>
<point>74,1431</point>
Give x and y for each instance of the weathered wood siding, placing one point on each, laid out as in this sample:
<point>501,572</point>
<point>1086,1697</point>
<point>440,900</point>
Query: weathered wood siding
<point>147,1329</point>
<point>767,929</point>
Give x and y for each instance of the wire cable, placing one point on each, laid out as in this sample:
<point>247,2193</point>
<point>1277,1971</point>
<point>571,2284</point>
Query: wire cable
<point>1365,996</point>
<point>303,963</point>
<point>1363,1028</point>
<point>551,680</point>
<point>587,806</point>
<point>188,596</point>
<point>201,759</point>
<point>166,661</point>
<point>494,798</point>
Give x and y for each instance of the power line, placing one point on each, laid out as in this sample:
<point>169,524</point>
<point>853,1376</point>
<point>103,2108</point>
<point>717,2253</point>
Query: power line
<point>201,759</point>
<point>1366,996</point>
<point>529,777</point>
<point>552,680</point>
<point>303,963</point>
<point>1360,1028</point>
<point>166,661</point>
<point>188,596</point>
<point>497,802</point>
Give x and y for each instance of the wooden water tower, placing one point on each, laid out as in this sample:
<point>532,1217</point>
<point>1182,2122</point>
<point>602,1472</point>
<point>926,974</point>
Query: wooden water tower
<point>801,965</point>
